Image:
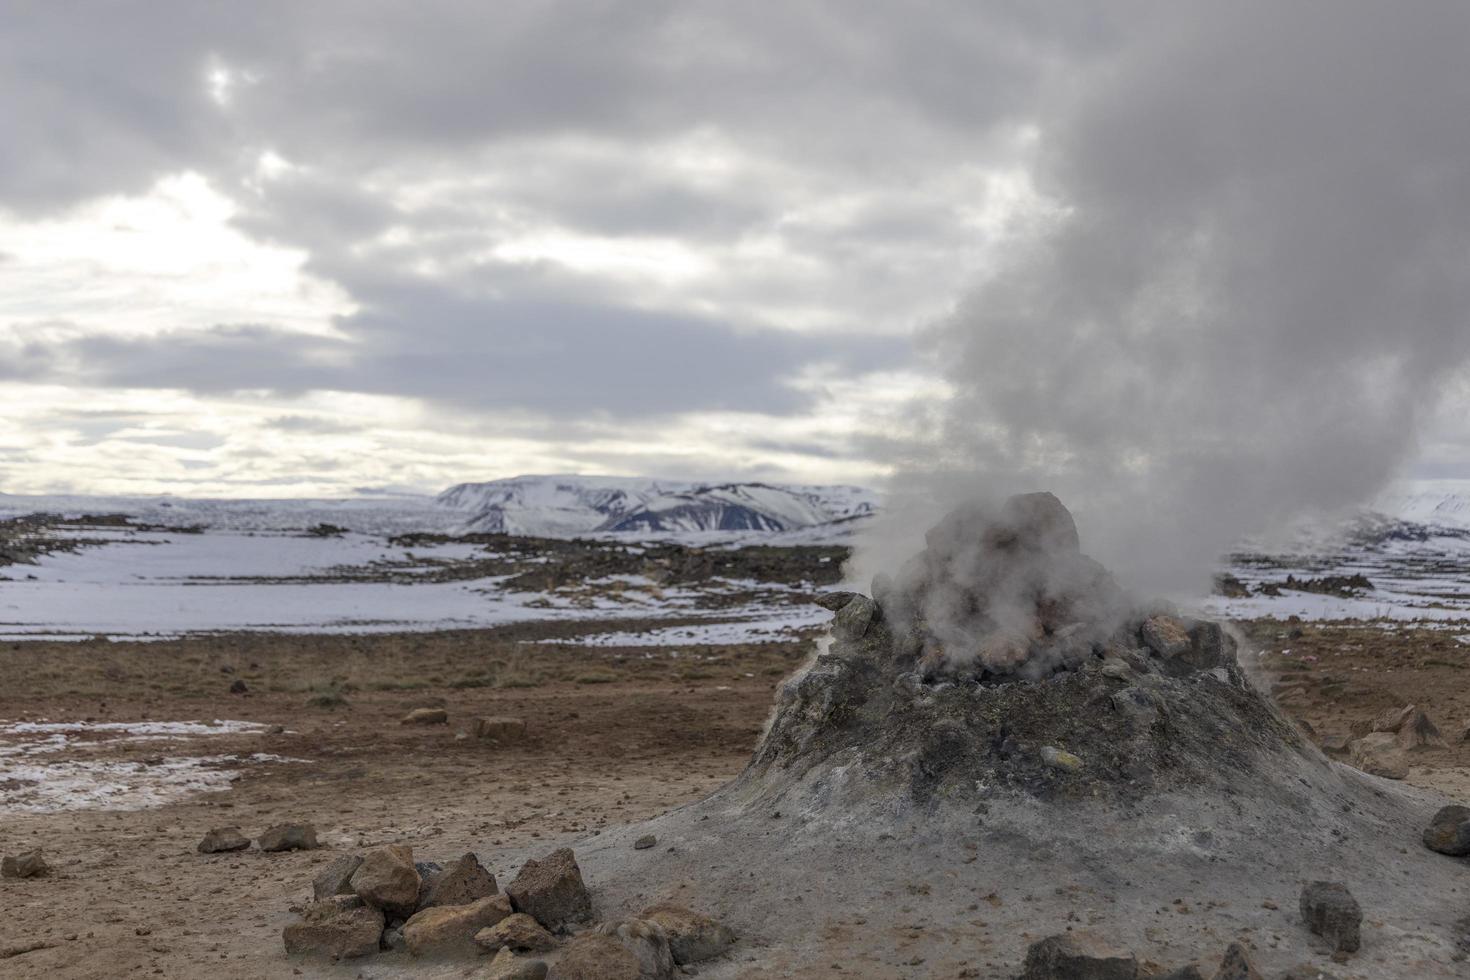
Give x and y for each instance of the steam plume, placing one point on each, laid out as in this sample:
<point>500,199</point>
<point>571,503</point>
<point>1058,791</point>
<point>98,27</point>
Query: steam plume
<point>1251,286</point>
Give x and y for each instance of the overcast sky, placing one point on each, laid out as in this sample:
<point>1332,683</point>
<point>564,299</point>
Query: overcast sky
<point>300,248</point>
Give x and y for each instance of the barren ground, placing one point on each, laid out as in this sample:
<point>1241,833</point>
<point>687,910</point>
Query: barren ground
<point>616,736</point>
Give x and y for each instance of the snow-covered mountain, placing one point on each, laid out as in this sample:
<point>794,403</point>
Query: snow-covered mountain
<point>1442,502</point>
<point>558,505</point>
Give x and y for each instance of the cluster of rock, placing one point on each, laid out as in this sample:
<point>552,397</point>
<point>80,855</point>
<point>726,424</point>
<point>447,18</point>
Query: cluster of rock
<point>1386,745</point>
<point>281,837</point>
<point>384,901</point>
<point>495,728</point>
<point>1327,909</point>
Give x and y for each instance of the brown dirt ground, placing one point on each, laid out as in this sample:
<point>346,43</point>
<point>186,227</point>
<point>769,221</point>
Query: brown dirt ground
<point>616,736</point>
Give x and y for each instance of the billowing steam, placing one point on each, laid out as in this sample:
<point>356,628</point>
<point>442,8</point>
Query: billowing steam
<point>1252,284</point>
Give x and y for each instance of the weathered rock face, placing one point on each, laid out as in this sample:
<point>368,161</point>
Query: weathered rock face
<point>1077,956</point>
<point>1002,657</point>
<point>1330,911</point>
<point>692,937</point>
<point>387,879</point>
<point>449,930</point>
<point>518,933</point>
<point>551,890</point>
<point>223,840</point>
<point>462,882</point>
<point>329,929</point>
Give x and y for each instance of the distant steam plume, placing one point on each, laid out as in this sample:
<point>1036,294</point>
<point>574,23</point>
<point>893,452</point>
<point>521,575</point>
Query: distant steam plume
<point>1252,284</point>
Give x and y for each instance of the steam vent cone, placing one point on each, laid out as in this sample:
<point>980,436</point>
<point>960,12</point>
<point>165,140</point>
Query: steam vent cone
<point>1000,744</point>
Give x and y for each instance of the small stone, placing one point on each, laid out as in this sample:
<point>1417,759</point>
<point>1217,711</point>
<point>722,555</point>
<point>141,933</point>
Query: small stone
<point>31,864</point>
<point>325,929</point>
<point>450,930</point>
<point>465,881</point>
<point>645,842</point>
<point>1237,965</point>
<point>593,956</point>
<point>387,879</point>
<point>392,940</point>
<point>238,687</point>
<point>289,837</point>
<point>648,944</point>
<point>1378,754</point>
<point>509,966</point>
<point>1077,956</point>
<point>519,933</point>
<point>221,840</point>
<point>500,728</point>
<point>426,716</point>
<point>1165,636</point>
<point>1449,831</point>
<point>551,890</point>
<point>1060,758</point>
<point>693,938</point>
<point>336,877</point>
<point>1330,911</point>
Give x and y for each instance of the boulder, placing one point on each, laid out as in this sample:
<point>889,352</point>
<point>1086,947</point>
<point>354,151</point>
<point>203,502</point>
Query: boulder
<point>854,618</point>
<point>336,877</point>
<point>426,716</point>
<point>551,890</point>
<point>1330,911</point>
<point>519,933</point>
<point>834,601</point>
<point>509,966</point>
<point>1449,831</point>
<point>222,840</point>
<point>387,879</point>
<point>464,881</point>
<point>31,864</point>
<point>1391,719</point>
<point>289,837</point>
<point>648,944</point>
<point>449,930</point>
<point>500,728</point>
<point>1210,646</point>
<point>1237,965</point>
<point>593,956</point>
<point>1077,956</point>
<point>327,929</point>
<point>1418,733</point>
<point>1165,636</point>
<point>692,937</point>
<point>1378,754</point>
<point>645,842</point>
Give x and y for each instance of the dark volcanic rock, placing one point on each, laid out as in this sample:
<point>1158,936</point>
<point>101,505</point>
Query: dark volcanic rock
<point>551,890</point>
<point>1449,831</point>
<point>31,864</point>
<point>1330,911</point>
<point>1077,956</point>
<point>464,881</point>
<point>336,877</point>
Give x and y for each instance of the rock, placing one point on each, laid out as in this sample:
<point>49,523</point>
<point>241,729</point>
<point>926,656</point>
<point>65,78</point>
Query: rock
<point>1418,733</point>
<point>426,716</point>
<point>1077,956</point>
<point>449,930</point>
<point>1335,746</point>
<point>1190,972</point>
<point>1237,965</point>
<point>336,877</point>
<point>1330,911</point>
<point>465,881</point>
<point>1210,646</point>
<point>1165,636</point>
<point>31,864</point>
<point>854,618</point>
<point>326,929</point>
<point>645,842</point>
<point>392,940</point>
<point>1449,831</point>
<point>593,956</point>
<point>648,944</point>
<point>1138,705</point>
<point>1378,754</point>
<point>1116,669</point>
<point>509,966</point>
<point>1060,758</point>
<point>551,890</point>
<point>387,879</point>
<point>237,686</point>
<point>289,837</point>
<point>500,728</point>
<point>1306,971</point>
<point>693,938</point>
<point>518,932</point>
<point>1391,720</point>
<point>834,601</point>
<point>223,839</point>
